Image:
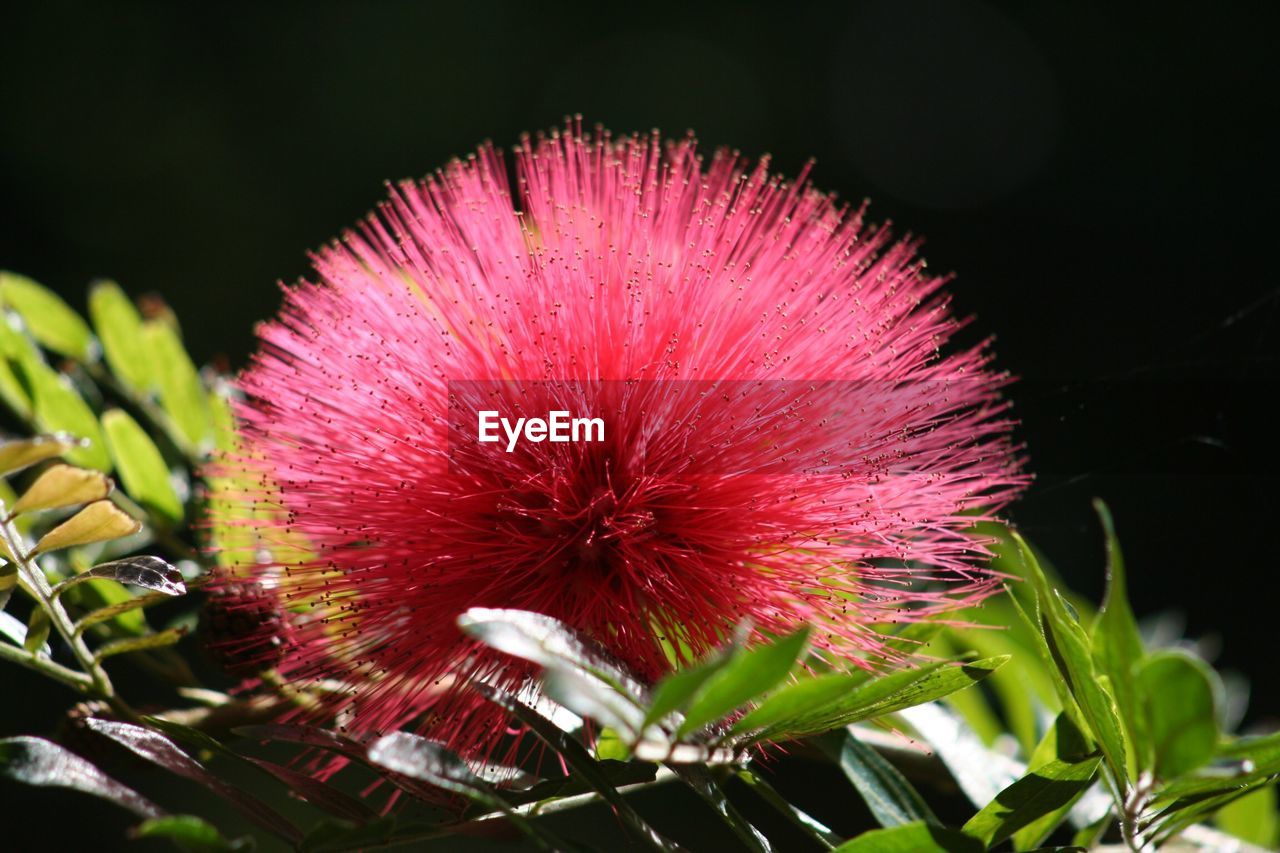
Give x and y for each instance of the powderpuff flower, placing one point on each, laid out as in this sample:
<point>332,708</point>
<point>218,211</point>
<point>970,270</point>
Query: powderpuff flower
<point>785,441</point>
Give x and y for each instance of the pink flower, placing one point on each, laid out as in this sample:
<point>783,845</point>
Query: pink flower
<point>784,442</point>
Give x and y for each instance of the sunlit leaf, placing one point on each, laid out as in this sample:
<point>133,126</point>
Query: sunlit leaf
<point>917,837</point>
<point>15,349</point>
<point>18,454</point>
<point>98,522</point>
<point>58,408</point>
<point>674,692</point>
<point>1072,653</point>
<point>546,642</point>
<point>63,485</point>
<point>119,329</point>
<point>1047,790</point>
<point>1253,818</point>
<point>34,761</point>
<point>1066,744</point>
<point>158,749</point>
<point>1117,645</point>
<point>181,392</point>
<point>51,321</point>
<point>749,674</point>
<point>1179,707</point>
<point>886,694</point>
<point>142,469</point>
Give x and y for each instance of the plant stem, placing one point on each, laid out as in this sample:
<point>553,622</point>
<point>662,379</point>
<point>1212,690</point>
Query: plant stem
<point>35,583</point>
<point>54,670</point>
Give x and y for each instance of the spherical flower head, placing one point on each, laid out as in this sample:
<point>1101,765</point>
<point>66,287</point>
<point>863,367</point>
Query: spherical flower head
<point>786,442</point>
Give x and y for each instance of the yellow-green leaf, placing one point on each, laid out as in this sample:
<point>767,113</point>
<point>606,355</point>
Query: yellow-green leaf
<point>16,455</point>
<point>63,485</point>
<point>181,392</point>
<point>52,322</point>
<point>58,408</point>
<point>97,522</point>
<point>119,328</point>
<point>142,469</point>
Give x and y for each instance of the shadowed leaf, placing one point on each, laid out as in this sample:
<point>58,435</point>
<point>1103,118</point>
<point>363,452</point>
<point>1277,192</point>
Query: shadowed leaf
<point>158,749</point>
<point>34,761</point>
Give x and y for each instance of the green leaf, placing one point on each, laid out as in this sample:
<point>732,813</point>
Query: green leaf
<point>182,394</point>
<point>14,630</point>
<point>141,467</point>
<point>747,675</point>
<point>1179,704</point>
<point>1062,743</point>
<point>1253,818</point>
<point>891,798</point>
<point>119,328</point>
<point>35,761</point>
<point>1047,790</point>
<point>1073,657</point>
<point>884,695</point>
<point>916,837</point>
<point>190,833</point>
<point>50,320</point>
<point>1117,645</point>
<point>674,692</point>
<point>147,642</point>
<point>15,349</point>
<point>57,407</point>
<point>38,628</point>
<point>794,701</point>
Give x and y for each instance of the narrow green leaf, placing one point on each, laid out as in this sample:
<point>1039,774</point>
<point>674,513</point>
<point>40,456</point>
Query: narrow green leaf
<point>119,328</point>
<point>15,631</point>
<point>51,321</point>
<point>38,628</point>
<point>887,694</point>
<point>141,467</point>
<point>182,394</point>
<point>794,701</point>
<point>147,642</point>
<point>1064,743</point>
<point>747,675</point>
<point>674,692</point>
<point>1046,790</point>
<point>1117,645</point>
<point>190,833</point>
<point>35,761</point>
<point>1072,654</point>
<point>1253,818</point>
<point>890,797</point>
<point>58,408</point>
<point>1179,706</point>
<point>917,837</point>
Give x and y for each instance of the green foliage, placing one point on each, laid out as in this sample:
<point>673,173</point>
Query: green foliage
<point>1080,733</point>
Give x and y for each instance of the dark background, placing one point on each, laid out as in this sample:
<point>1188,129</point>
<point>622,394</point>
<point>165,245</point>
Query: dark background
<point>1101,178</point>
